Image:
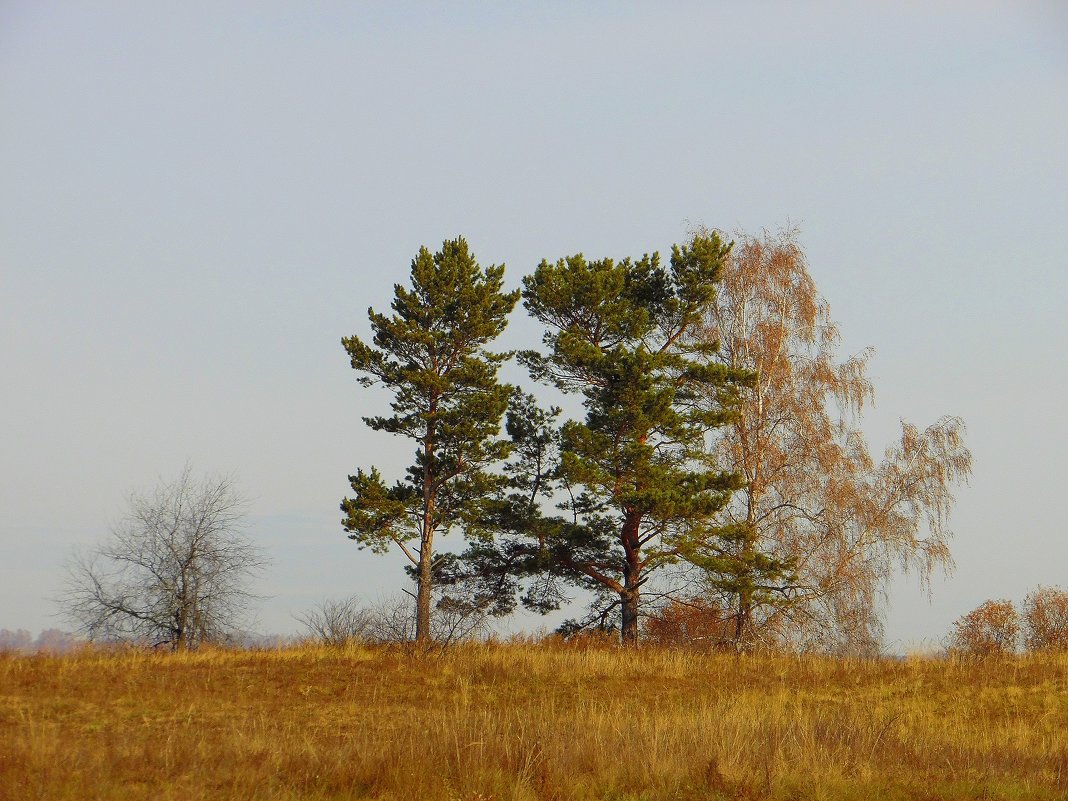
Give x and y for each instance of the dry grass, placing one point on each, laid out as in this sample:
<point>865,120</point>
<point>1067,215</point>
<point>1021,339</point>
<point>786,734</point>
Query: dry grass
<point>529,722</point>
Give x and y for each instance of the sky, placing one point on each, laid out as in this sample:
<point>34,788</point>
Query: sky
<point>199,200</point>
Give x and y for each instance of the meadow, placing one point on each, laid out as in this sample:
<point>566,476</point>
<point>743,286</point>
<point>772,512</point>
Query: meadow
<point>529,721</point>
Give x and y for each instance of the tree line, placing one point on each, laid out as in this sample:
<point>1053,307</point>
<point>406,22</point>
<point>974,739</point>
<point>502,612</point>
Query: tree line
<point>716,478</point>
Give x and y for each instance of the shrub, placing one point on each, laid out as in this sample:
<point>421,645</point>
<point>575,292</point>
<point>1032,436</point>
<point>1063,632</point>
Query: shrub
<point>988,630</point>
<point>337,622</point>
<point>695,622</point>
<point>1045,620</point>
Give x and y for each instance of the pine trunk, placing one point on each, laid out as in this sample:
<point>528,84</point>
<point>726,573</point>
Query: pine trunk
<point>629,628</point>
<point>632,569</point>
<point>741,620</point>
<point>426,538</point>
<point>422,601</point>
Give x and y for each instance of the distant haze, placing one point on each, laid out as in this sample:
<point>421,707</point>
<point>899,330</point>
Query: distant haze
<point>200,199</point>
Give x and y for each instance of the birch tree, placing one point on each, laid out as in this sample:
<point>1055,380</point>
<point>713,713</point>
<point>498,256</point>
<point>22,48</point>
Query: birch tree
<point>812,496</point>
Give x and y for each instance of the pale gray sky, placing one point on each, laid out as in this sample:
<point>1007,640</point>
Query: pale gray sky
<point>198,201</point>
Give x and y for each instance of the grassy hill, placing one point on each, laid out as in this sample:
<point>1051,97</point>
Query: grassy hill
<point>528,721</point>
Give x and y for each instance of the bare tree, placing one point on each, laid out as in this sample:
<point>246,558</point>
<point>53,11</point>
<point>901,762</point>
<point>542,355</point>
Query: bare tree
<point>175,572</point>
<point>813,497</point>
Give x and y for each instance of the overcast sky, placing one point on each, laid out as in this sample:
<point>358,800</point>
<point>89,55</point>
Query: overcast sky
<point>199,200</point>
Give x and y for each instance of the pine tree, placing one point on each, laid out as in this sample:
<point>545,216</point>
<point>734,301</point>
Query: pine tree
<point>636,483</point>
<point>446,397</point>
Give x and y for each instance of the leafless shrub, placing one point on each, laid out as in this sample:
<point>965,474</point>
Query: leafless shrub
<point>991,629</point>
<point>459,619</point>
<point>392,620</point>
<point>338,622</point>
<point>1045,620</point>
<point>455,619</point>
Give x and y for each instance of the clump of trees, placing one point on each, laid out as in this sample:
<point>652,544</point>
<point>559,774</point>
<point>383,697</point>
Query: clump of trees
<point>716,482</point>
<point>175,573</point>
<point>997,627</point>
<point>718,463</point>
<point>339,621</point>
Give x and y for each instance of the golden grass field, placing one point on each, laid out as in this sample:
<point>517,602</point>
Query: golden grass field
<point>528,721</point>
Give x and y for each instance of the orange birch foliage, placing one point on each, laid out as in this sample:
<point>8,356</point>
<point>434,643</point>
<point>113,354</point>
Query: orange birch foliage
<point>814,497</point>
<point>991,629</point>
<point>690,622</point>
<point>1045,619</point>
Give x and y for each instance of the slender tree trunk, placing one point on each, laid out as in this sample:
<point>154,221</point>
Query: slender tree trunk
<point>630,597</point>
<point>422,600</point>
<point>426,538</point>
<point>181,624</point>
<point>743,620</point>
<point>181,642</point>
<point>629,628</point>
<point>425,578</point>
